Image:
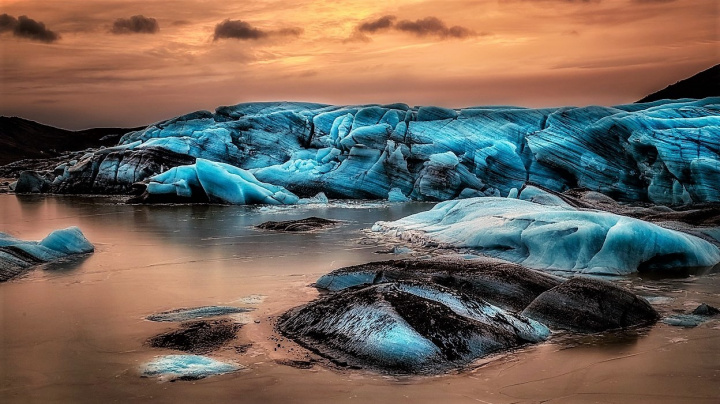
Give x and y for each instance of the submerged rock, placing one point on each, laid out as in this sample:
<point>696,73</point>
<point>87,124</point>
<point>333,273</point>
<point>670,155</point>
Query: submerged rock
<point>590,305</point>
<point>186,367</point>
<point>706,310</point>
<point>198,336</point>
<point>498,282</point>
<point>406,327</point>
<point>555,238</point>
<point>300,225</point>
<point>16,256</point>
<point>194,313</point>
<point>701,314</point>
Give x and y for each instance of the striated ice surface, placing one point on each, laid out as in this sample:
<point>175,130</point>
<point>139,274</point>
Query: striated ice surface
<point>554,238</point>
<point>219,182</point>
<point>188,367</point>
<point>662,152</point>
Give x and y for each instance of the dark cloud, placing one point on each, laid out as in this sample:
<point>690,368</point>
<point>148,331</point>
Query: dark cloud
<point>137,24</point>
<point>429,26</point>
<point>377,25</point>
<point>7,23</point>
<point>24,27</point>
<point>433,26</point>
<point>238,29</point>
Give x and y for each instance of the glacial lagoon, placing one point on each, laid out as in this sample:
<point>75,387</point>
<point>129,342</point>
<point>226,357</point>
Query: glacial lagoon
<point>76,329</point>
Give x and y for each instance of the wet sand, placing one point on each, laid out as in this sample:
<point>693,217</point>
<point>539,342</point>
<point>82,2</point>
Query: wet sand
<point>76,331</point>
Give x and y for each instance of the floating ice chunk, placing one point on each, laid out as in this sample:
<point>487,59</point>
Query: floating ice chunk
<point>555,237</point>
<point>685,320</point>
<point>196,313</point>
<point>17,255</point>
<point>186,367</point>
<point>320,198</point>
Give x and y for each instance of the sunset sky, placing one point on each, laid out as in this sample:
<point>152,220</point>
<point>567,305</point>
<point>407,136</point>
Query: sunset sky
<point>85,63</point>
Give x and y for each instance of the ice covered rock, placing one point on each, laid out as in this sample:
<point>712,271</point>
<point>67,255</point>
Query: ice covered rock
<point>406,327</point>
<point>590,305</point>
<point>17,255</point>
<point>186,367</point>
<point>194,313</point>
<point>555,238</point>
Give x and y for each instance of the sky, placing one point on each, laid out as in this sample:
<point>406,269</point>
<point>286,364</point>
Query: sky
<point>84,63</point>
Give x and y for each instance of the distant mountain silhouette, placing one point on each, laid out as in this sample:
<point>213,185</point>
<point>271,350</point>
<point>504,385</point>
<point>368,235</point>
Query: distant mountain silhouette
<point>702,85</point>
<point>24,139</point>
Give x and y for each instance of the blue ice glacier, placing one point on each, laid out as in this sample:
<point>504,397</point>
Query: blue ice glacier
<point>17,255</point>
<point>665,152</point>
<point>554,238</point>
<point>173,367</point>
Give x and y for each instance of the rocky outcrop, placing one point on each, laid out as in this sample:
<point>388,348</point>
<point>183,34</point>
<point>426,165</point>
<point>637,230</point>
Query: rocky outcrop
<point>590,305</point>
<point>429,316</point>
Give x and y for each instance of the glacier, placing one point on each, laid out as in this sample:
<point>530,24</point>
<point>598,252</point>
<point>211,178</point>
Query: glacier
<point>17,255</point>
<point>561,239</point>
<point>664,152</point>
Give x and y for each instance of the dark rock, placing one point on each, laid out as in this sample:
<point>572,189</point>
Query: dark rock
<point>198,336</point>
<point>31,182</point>
<point>301,225</point>
<point>590,305</point>
<point>706,310</point>
<point>193,313</point>
<point>498,282</point>
<point>115,172</point>
<point>296,363</point>
<point>406,327</point>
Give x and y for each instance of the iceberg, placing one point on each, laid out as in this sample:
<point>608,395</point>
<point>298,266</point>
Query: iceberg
<point>665,152</point>
<point>17,255</point>
<point>554,238</point>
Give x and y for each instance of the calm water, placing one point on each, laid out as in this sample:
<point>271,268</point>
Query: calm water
<point>74,331</point>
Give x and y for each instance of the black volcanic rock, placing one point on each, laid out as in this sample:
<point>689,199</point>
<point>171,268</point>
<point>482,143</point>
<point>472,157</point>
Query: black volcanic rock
<point>24,139</point>
<point>300,225</point>
<point>702,85</point>
<point>590,305</point>
<point>198,337</point>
